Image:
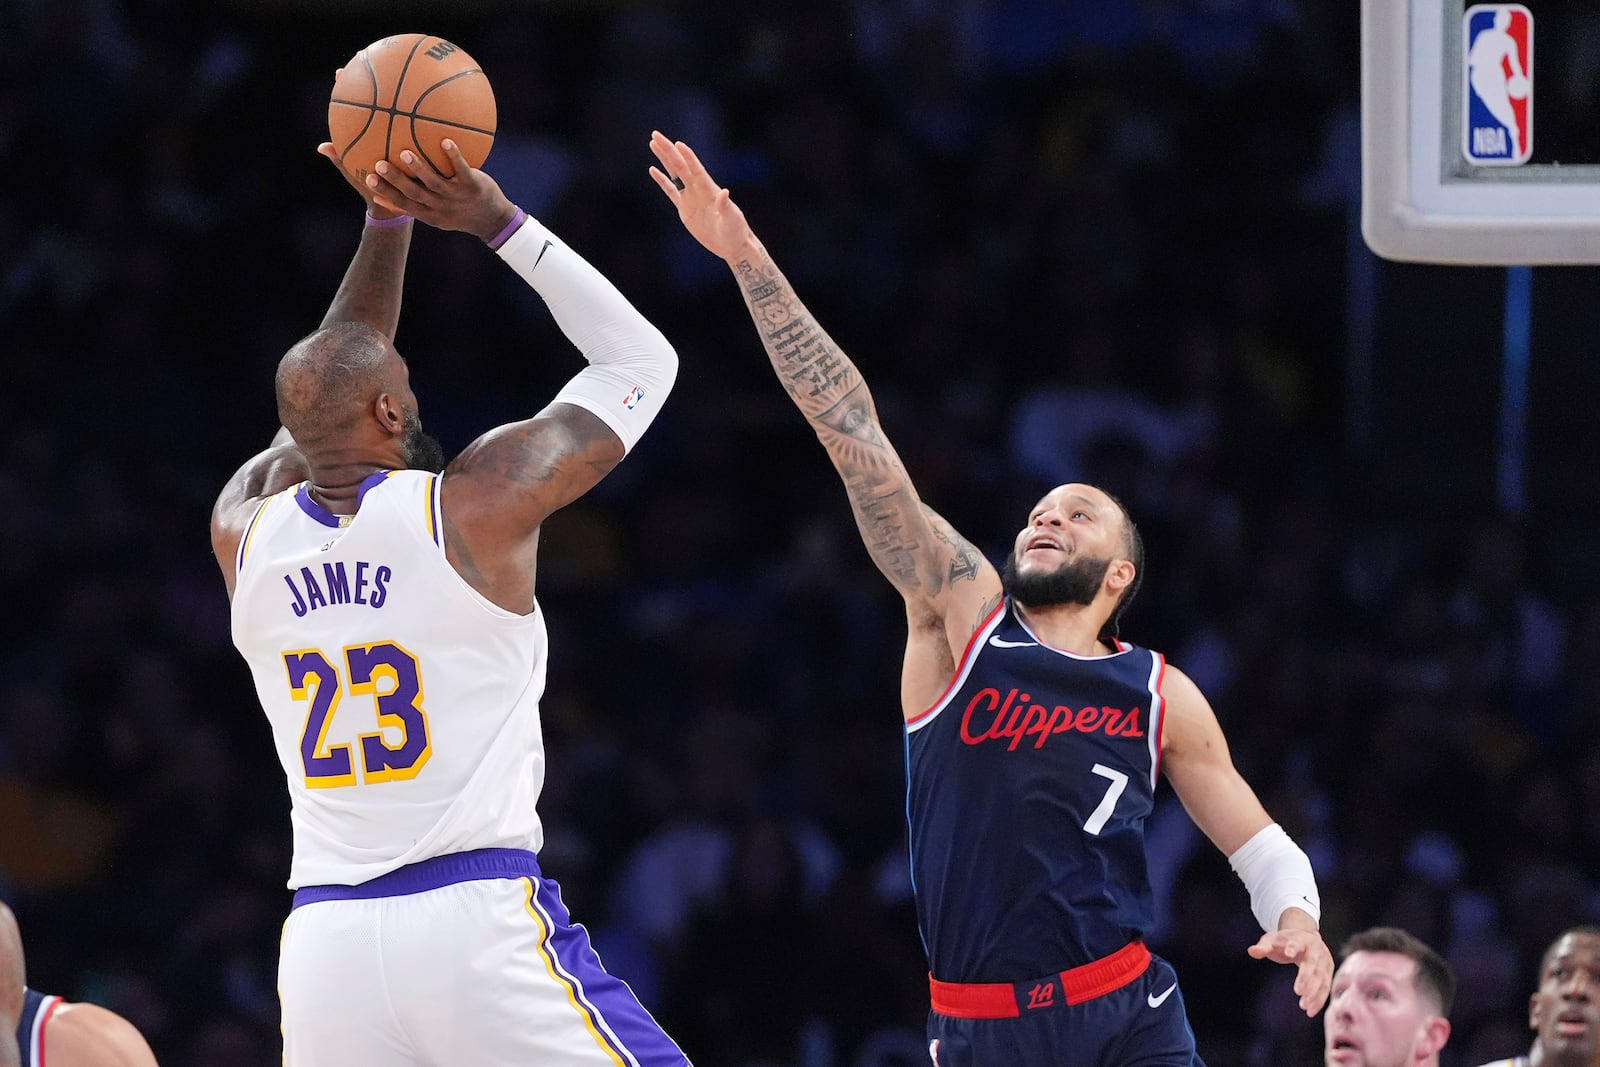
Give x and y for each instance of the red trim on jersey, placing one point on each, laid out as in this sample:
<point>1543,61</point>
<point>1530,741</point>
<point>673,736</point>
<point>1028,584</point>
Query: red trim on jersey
<point>956,677</point>
<point>1007,1000</point>
<point>49,1010</point>
<point>1161,728</point>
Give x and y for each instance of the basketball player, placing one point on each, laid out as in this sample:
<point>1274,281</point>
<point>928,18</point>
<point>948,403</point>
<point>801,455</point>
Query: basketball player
<point>1564,1012</point>
<point>1391,1002</point>
<point>1034,735</point>
<point>387,613</point>
<point>34,1026</point>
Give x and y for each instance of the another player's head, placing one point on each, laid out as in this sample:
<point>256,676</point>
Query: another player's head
<point>345,393</point>
<point>1564,1012</point>
<point>1079,546</point>
<point>1390,1003</point>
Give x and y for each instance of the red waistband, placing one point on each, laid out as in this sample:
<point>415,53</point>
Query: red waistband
<point>1010,1000</point>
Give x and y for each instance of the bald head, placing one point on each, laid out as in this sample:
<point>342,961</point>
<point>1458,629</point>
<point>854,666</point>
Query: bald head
<point>328,382</point>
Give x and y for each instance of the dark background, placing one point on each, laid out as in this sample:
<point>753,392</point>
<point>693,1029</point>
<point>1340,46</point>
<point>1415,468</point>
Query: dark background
<point>1110,242</point>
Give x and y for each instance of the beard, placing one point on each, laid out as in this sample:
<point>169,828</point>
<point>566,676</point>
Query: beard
<point>422,450</point>
<point>1078,581</point>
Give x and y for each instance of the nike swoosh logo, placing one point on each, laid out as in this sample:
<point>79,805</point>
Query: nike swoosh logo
<point>1158,999</point>
<point>540,256</point>
<point>1000,642</point>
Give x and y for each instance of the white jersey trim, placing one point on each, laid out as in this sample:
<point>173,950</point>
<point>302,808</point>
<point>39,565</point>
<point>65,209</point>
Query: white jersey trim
<point>1122,649</point>
<point>1158,713</point>
<point>47,1007</point>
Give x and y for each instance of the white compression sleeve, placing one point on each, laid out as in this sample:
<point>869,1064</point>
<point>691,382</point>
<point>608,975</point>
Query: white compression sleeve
<point>1278,875</point>
<point>631,365</point>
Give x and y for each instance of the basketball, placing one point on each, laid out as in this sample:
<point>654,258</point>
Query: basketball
<point>412,91</point>
<point>1517,87</point>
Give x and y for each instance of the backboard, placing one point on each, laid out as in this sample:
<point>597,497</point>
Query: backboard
<point>1462,162</point>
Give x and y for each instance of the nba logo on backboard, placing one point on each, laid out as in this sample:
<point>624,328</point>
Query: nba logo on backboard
<point>1497,72</point>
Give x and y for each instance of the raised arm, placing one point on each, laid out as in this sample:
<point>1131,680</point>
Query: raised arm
<point>369,292</point>
<point>943,578</point>
<point>502,486</point>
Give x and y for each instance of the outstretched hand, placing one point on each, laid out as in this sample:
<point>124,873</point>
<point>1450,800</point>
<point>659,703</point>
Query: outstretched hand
<point>705,208</point>
<point>469,200</point>
<point>1304,949</point>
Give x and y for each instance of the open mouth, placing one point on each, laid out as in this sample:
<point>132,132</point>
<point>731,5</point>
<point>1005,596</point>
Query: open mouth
<point>1341,1049</point>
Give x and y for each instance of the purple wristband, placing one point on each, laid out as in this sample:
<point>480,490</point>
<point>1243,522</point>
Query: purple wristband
<point>398,220</point>
<point>511,227</point>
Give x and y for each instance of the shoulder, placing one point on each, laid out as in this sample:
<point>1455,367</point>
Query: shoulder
<point>87,1035</point>
<point>1179,690</point>
<point>1190,722</point>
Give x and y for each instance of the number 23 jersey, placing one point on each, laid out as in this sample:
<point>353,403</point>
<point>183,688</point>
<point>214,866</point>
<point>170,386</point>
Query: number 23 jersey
<point>1029,783</point>
<point>404,705</point>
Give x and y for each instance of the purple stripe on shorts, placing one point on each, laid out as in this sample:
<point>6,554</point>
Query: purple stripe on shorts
<point>435,873</point>
<point>617,1013</point>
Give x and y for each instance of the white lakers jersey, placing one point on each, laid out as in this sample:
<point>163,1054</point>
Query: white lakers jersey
<point>403,704</point>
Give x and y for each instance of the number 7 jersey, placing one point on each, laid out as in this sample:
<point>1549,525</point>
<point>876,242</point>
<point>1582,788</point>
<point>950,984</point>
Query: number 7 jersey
<point>404,705</point>
<point>1029,782</point>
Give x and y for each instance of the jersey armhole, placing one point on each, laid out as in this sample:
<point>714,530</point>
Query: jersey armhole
<point>1158,714</point>
<point>249,532</point>
<point>435,515</point>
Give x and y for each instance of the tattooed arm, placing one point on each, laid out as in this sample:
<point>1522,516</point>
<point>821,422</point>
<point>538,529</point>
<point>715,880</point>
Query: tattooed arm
<point>946,582</point>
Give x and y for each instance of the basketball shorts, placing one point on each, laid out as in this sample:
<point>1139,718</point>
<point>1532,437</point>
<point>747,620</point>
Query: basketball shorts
<point>468,958</point>
<point>1136,1019</point>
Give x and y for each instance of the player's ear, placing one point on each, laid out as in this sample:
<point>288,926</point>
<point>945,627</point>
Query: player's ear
<point>1435,1032</point>
<point>1119,575</point>
<point>1533,1012</point>
<point>386,409</point>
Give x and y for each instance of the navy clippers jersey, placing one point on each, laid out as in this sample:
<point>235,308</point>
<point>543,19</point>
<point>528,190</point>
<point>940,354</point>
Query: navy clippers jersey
<point>36,1009</point>
<point>1029,783</point>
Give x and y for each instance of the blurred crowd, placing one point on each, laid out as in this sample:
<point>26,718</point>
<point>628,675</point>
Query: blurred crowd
<point>1110,242</point>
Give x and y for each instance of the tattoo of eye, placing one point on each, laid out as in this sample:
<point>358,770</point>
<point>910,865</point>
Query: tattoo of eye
<point>853,417</point>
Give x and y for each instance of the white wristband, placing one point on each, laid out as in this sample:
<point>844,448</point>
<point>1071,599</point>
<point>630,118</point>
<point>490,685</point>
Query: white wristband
<point>1278,875</point>
<point>631,365</point>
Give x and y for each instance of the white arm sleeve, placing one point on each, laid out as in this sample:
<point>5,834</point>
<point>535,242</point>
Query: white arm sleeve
<point>631,365</point>
<point>1278,875</point>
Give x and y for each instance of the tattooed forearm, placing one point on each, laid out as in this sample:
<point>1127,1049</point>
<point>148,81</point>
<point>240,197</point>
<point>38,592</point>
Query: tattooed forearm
<point>371,289</point>
<point>882,518</point>
<point>828,389</point>
<point>810,365</point>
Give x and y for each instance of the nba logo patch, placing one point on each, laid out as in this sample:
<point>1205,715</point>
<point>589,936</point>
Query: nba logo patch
<point>1497,77</point>
<point>631,401</point>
